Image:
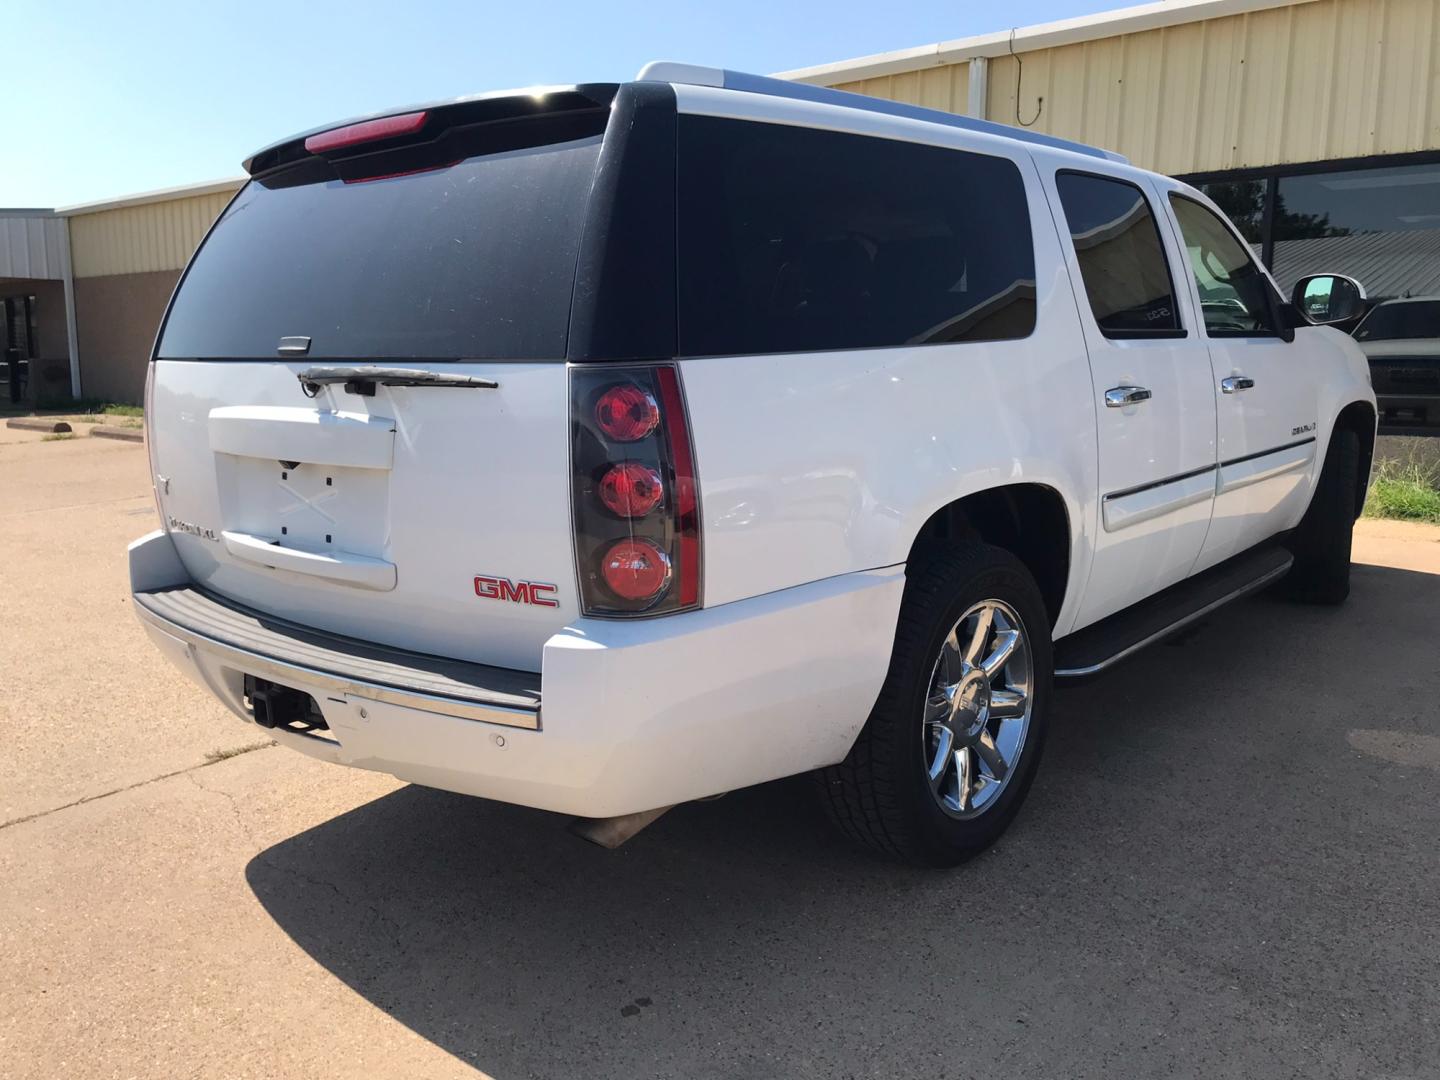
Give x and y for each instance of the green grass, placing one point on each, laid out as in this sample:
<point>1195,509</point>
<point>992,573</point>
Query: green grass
<point>57,436</point>
<point>1406,491</point>
<point>98,407</point>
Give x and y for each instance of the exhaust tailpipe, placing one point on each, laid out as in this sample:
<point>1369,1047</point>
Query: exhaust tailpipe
<point>611,832</point>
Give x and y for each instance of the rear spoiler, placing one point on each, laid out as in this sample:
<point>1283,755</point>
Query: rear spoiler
<point>419,124</point>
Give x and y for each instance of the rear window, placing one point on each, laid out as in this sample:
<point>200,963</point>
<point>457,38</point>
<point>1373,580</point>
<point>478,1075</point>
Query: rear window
<point>475,260</point>
<point>795,240</point>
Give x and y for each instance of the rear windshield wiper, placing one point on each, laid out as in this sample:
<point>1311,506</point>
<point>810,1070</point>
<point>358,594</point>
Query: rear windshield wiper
<point>363,379</point>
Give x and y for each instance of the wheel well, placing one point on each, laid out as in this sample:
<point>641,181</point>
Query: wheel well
<point>1028,520</point>
<point>1359,417</point>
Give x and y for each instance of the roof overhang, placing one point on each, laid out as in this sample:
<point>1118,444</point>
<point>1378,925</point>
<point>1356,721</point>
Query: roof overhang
<point>187,191</point>
<point>1130,20</point>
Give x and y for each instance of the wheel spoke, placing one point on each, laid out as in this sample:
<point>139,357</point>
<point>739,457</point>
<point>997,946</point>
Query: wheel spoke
<point>1005,643</point>
<point>940,763</point>
<point>938,707</point>
<point>962,770</point>
<point>991,757</point>
<point>952,661</point>
<point>1007,704</point>
<point>984,618</point>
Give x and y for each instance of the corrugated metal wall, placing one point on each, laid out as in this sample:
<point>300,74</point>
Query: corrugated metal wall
<point>141,239</point>
<point>32,246</point>
<point>945,87</point>
<point>1310,82</point>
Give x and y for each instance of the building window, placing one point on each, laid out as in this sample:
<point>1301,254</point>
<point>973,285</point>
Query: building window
<point>1377,221</point>
<point>1380,226</point>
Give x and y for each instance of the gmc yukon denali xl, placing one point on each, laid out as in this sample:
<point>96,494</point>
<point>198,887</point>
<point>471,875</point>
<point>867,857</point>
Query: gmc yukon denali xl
<point>598,448</point>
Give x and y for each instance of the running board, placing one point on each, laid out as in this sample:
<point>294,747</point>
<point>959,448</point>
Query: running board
<point>1103,644</point>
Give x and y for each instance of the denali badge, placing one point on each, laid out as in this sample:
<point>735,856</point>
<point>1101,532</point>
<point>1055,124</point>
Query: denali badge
<point>1302,429</point>
<point>517,592</point>
<point>176,525</point>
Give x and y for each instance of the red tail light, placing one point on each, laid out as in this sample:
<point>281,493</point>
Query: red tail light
<point>635,570</point>
<point>386,127</point>
<point>627,412</point>
<point>631,490</point>
<point>635,502</point>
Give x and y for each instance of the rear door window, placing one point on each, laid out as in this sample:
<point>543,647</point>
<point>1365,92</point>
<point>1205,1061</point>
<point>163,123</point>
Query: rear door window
<point>795,240</point>
<point>1122,259</point>
<point>472,261</point>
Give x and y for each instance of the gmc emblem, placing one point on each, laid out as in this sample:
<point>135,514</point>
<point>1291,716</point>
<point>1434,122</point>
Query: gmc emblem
<point>517,592</point>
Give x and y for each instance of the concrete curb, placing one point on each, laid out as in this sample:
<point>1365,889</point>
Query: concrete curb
<point>37,423</point>
<point>102,431</point>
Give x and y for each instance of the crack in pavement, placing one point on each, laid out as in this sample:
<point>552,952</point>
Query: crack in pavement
<point>131,787</point>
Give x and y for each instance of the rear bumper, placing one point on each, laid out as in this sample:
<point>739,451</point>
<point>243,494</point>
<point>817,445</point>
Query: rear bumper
<point>626,716</point>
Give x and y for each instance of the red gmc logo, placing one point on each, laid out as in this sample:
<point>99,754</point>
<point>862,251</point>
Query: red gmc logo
<point>517,592</point>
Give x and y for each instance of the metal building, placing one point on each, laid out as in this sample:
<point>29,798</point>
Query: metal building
<point>84,287</point>
<point>1314,123</point>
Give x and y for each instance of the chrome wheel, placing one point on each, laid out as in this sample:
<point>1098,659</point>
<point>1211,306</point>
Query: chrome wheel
<point>977,710</point>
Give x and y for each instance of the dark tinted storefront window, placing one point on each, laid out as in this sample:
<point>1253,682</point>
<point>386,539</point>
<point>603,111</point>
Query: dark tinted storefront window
<point>795,240</point>
<point>1380,226</point>
<point>1121,258</point>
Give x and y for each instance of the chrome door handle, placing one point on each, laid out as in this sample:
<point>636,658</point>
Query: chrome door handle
<point>1121,396</point>
<point>1234,383</point>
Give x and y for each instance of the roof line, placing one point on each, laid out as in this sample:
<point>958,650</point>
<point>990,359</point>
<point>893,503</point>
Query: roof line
<point>184,191</point>
<point>1129,20</point>
<point>724,78</point>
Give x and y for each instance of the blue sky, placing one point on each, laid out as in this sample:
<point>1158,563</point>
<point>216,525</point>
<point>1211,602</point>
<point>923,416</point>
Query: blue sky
<point>107,99</point>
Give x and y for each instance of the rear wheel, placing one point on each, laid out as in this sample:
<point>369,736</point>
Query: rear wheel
<point>1321,542</point>
<point>952,745</point>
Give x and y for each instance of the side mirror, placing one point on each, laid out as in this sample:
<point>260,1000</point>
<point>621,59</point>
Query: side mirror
<point>1326,299</point>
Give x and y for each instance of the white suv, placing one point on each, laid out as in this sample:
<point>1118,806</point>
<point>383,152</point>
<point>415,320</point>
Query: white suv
<point>598,448</point>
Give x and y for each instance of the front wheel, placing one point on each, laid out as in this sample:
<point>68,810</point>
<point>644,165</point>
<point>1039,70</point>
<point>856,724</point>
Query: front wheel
<point>1321,542</point>
<point>952,745</point>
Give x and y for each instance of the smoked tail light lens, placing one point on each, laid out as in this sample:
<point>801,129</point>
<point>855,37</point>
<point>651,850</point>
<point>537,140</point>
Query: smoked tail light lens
<point>635,501</point>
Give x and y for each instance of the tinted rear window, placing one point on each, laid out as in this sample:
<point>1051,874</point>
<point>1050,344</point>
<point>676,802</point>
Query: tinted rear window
<point>1122,260</point>
<point>476,260</point>
<point>797,240</point>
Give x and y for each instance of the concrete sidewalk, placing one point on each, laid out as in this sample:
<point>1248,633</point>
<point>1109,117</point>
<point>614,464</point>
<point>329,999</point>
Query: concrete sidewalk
<point>1228,867</point>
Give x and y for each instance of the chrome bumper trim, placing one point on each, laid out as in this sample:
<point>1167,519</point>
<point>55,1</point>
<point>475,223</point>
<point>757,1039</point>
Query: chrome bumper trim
<point>303,677</point>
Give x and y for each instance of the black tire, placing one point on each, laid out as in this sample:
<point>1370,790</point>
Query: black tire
<point>1321,542</point>
<point>880,794</point>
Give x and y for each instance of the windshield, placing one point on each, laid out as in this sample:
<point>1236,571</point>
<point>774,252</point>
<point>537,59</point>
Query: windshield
<point>475,260</point>
<point>1392,322</point>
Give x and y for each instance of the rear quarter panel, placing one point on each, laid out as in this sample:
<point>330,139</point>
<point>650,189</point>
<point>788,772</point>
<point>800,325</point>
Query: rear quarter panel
<point>824,463</point>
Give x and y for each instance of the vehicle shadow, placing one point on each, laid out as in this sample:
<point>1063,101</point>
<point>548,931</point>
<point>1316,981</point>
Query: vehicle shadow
<point>1187,887</point>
